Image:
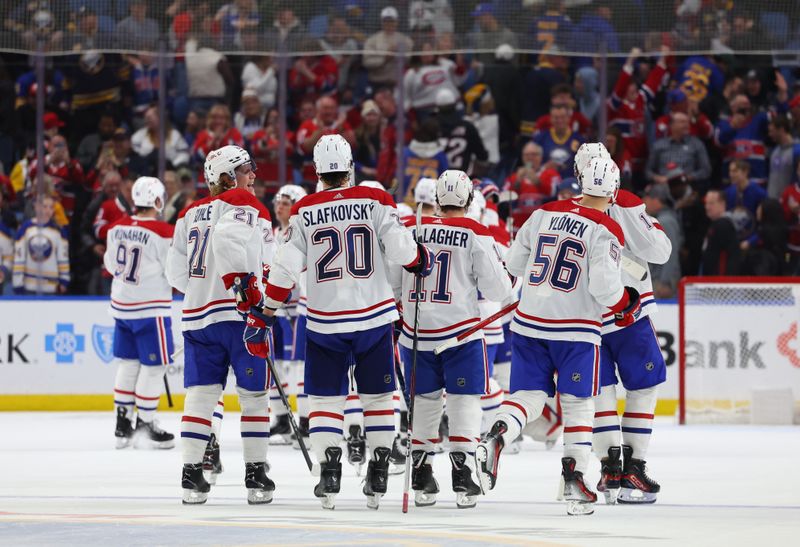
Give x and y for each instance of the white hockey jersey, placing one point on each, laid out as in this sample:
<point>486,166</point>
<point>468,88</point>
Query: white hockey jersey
<point>41,257</point>
<point>465,261</point>
<point>645,241</point>
<point>342,236</point>
<point>6,253</point>
<point>289,308</point>
<point>215,236</point>
<point>136,255</point>
<point>569,255</point>
<point>493,332</point>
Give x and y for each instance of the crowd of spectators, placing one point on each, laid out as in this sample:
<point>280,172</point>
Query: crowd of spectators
<point>709,142</point>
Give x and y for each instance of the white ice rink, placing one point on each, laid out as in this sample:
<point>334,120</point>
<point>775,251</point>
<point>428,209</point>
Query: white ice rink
<point>63,483</point>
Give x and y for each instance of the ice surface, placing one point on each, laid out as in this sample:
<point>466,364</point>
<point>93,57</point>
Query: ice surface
<point>63,483</point>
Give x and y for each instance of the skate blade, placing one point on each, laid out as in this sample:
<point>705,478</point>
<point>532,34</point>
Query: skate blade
<point>611,496</point>
<point>465,501</point>
<point>634,496</point>
<point>560,493</point>
<point>190,497</point>
<point>424,499</point>
<point>280,439</point>
<point>575,507</point>
<point>374,501</point>
<point>328,501</point>
<point>122,442</point>
<point>210,476</point>
<point>484,478</point>
<point>257,496</point>
<point>397,468</point>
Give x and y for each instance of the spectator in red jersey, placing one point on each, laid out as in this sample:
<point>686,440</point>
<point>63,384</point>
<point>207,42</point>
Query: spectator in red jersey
<point>91,248</point>
<point>114,208</point>
<point>265,148</point>
<point>790,203</point>
<point>615,145</point>
<point>699,124</point>
<point>219,132</point>
<point>531,185</point>
<point>66,174</point>
<point>627,105</point>
<point>312,75</point>
<point>328,121</point>
<point>561,96</point>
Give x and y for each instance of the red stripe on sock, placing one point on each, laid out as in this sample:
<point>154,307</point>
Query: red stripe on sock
<point>578,429</point>
<point>124,392</point>
<point>389,412</point>
<point>517,405</point>
<point>156,398</point>
<point>323,414</point>
<point>220,403</point>
<point>196,420</point>
<point>637,415</point>
<point>255,419</point>
<point>605,413</point>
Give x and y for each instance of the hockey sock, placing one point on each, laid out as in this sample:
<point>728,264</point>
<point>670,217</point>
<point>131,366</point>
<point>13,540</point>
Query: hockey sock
<point>490,403</point>
<point>216,419</point>
<point>353,410</point>
<point>298,368</point>
<point>606,421</point>
<point>275,403</point>
<point>577,414</point>
<point>254,424</point>
<point>325,419</point>
<point>465,422</point>
<point>196,422</point>
<point>637,421</point>
<point>399,407</point>
<point>378,419</point>
<point>427,415</point>
<point>547,426</point>
<point>125,384</point>
<point>502,373</point>
<point>148,391</point>
<point>518,409</point>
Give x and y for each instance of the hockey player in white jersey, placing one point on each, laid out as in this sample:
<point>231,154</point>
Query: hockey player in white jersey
<point>569,254</point>
<point>343,234</point>
<point>631,352</point>
<point>141,300</point>
<point>466,262</point>
<point>218,240</point>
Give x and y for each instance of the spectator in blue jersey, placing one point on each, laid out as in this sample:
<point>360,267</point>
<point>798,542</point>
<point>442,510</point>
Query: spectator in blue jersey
<point>742,191</point>
<point>742,137</point>
<point>144,85</point>
<point>553,26</point>
<point>700,75</point>
<point>594,32</point>
<point>538,82</point>
<point>561,137</point>
<point>424,157</point>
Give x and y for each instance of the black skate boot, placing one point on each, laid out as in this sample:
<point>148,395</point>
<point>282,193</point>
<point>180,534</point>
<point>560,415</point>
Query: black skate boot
<point>580,499</point>
<point>377,477</point>
<point>397,458</point>
<point>212,463</point>
<point>635,485</point>
<point>330,477</point>
<point>258,484</point>
<point>356,448</point>
<point>487,456</point>
<point>281,431</point>
<point>302,429</point>
<point>124,430</point>
<point>149,435</point>
<point>610,475</point>
<point>465,488</point>
<point>195,487</point>
<point>423,484</point>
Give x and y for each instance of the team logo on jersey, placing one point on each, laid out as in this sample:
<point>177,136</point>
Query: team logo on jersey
<point>40,248</point>
<point>576,376</point>
<point>338,196</point>
<point>103,342</point>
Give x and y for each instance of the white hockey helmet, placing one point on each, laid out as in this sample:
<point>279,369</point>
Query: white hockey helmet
<point>404,210</point>
<point>292,192</point>
<point>372,184</point>
<point>225,160</point>
<point>584,155</point>
<point>601,178</point>
<point>146,191</point>
<point>455,188</point>
<point>332,154</point>
<point>425,191</point>
<point>477,207</point>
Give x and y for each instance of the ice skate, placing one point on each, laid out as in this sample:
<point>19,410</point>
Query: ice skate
<point>377,477</point>
<point>330,477</point>
<point>487,456</point>
<point>212,463</point>
<point>258,484</point>
<point>302,429</point>
<point>195,487</point>
<point>465,488</point>
<point>423,483</point>
<point>124,430</point>
<point>580,499</point>
<point>610,475</point>
<point>280,432</point>
<point>515,447</point>
<point>149,435</point>
<point>356,448</point>
<point>397,459</point>
<point>635,485</point>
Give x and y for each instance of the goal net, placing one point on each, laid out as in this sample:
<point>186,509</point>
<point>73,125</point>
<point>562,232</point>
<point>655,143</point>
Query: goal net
<point>739,350</point>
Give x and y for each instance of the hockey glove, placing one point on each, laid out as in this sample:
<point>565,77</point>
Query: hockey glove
<point>256,332</point>
<point>424,263</point>
<point>245,291</point>
<point>630,313</point>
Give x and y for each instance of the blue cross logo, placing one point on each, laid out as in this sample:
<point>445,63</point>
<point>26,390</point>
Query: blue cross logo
<point>64,343</point>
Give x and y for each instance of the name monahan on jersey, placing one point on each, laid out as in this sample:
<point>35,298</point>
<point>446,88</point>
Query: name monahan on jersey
<point>466,261</point>
<point>569,256</point>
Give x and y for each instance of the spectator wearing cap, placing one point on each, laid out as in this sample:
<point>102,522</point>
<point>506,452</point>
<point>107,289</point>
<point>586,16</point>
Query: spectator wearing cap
<point>568,188</point>
<point>561,96</point>
<point>52,124</point>
<point>259,75</point>
<point>137,31</point>
<point>721,253</point>
<point>743,191</point>
<point>560,136</point>
<point>328,121</point>
<point>251,115</point>
<point>680,150</point>
<point>462,141</point>
<point>428,74</point>
<point>783,159</point>
<point>699,124</point>
<point>659,205</point>
<point>535,90</point>
<point>145,145</point>
<point>380,50</point>
<point>490,33</point>
<point>755,90</point>
<point>368,142</point>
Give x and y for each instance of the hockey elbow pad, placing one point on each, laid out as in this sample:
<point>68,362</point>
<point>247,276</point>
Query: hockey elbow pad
<point>630,312</point>
<point>423,266</point>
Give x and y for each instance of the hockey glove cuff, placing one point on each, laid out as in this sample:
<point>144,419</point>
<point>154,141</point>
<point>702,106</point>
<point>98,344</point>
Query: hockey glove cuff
<point>256,333</point>
<point>423,265</point>
<point>630,311</point>
<point>245,290</point>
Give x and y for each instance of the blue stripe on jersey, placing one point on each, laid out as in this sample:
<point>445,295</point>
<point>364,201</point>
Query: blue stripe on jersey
<point>352,319</point>
<point>557,329</point>
<point>133,310</point>
<point>434,338</point>
<point>198,317</point>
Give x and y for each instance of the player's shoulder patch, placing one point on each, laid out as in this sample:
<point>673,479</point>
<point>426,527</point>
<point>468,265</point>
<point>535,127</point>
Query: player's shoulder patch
<point>242,198</point>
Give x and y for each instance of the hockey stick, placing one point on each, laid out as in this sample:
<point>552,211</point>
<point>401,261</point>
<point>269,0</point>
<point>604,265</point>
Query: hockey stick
<point>475,328</point>
<point>415,340</point>
<point>167,391</point>
<point>636,270</point>
<point>285,401</point>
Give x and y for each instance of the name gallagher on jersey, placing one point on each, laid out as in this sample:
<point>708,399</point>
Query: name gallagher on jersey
<point>338,213</point>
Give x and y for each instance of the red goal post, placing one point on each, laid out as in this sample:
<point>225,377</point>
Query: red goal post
<point>738,340</point>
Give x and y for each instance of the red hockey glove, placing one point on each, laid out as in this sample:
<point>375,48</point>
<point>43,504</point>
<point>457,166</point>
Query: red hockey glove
<point>630,312</point>
<point>245,291</point>
<point>256,332</point>
<point>423,265</point>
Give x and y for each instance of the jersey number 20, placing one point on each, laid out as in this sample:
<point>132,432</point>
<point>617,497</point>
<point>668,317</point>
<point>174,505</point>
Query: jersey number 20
<point>554,262</point>
<point>358,251</point>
